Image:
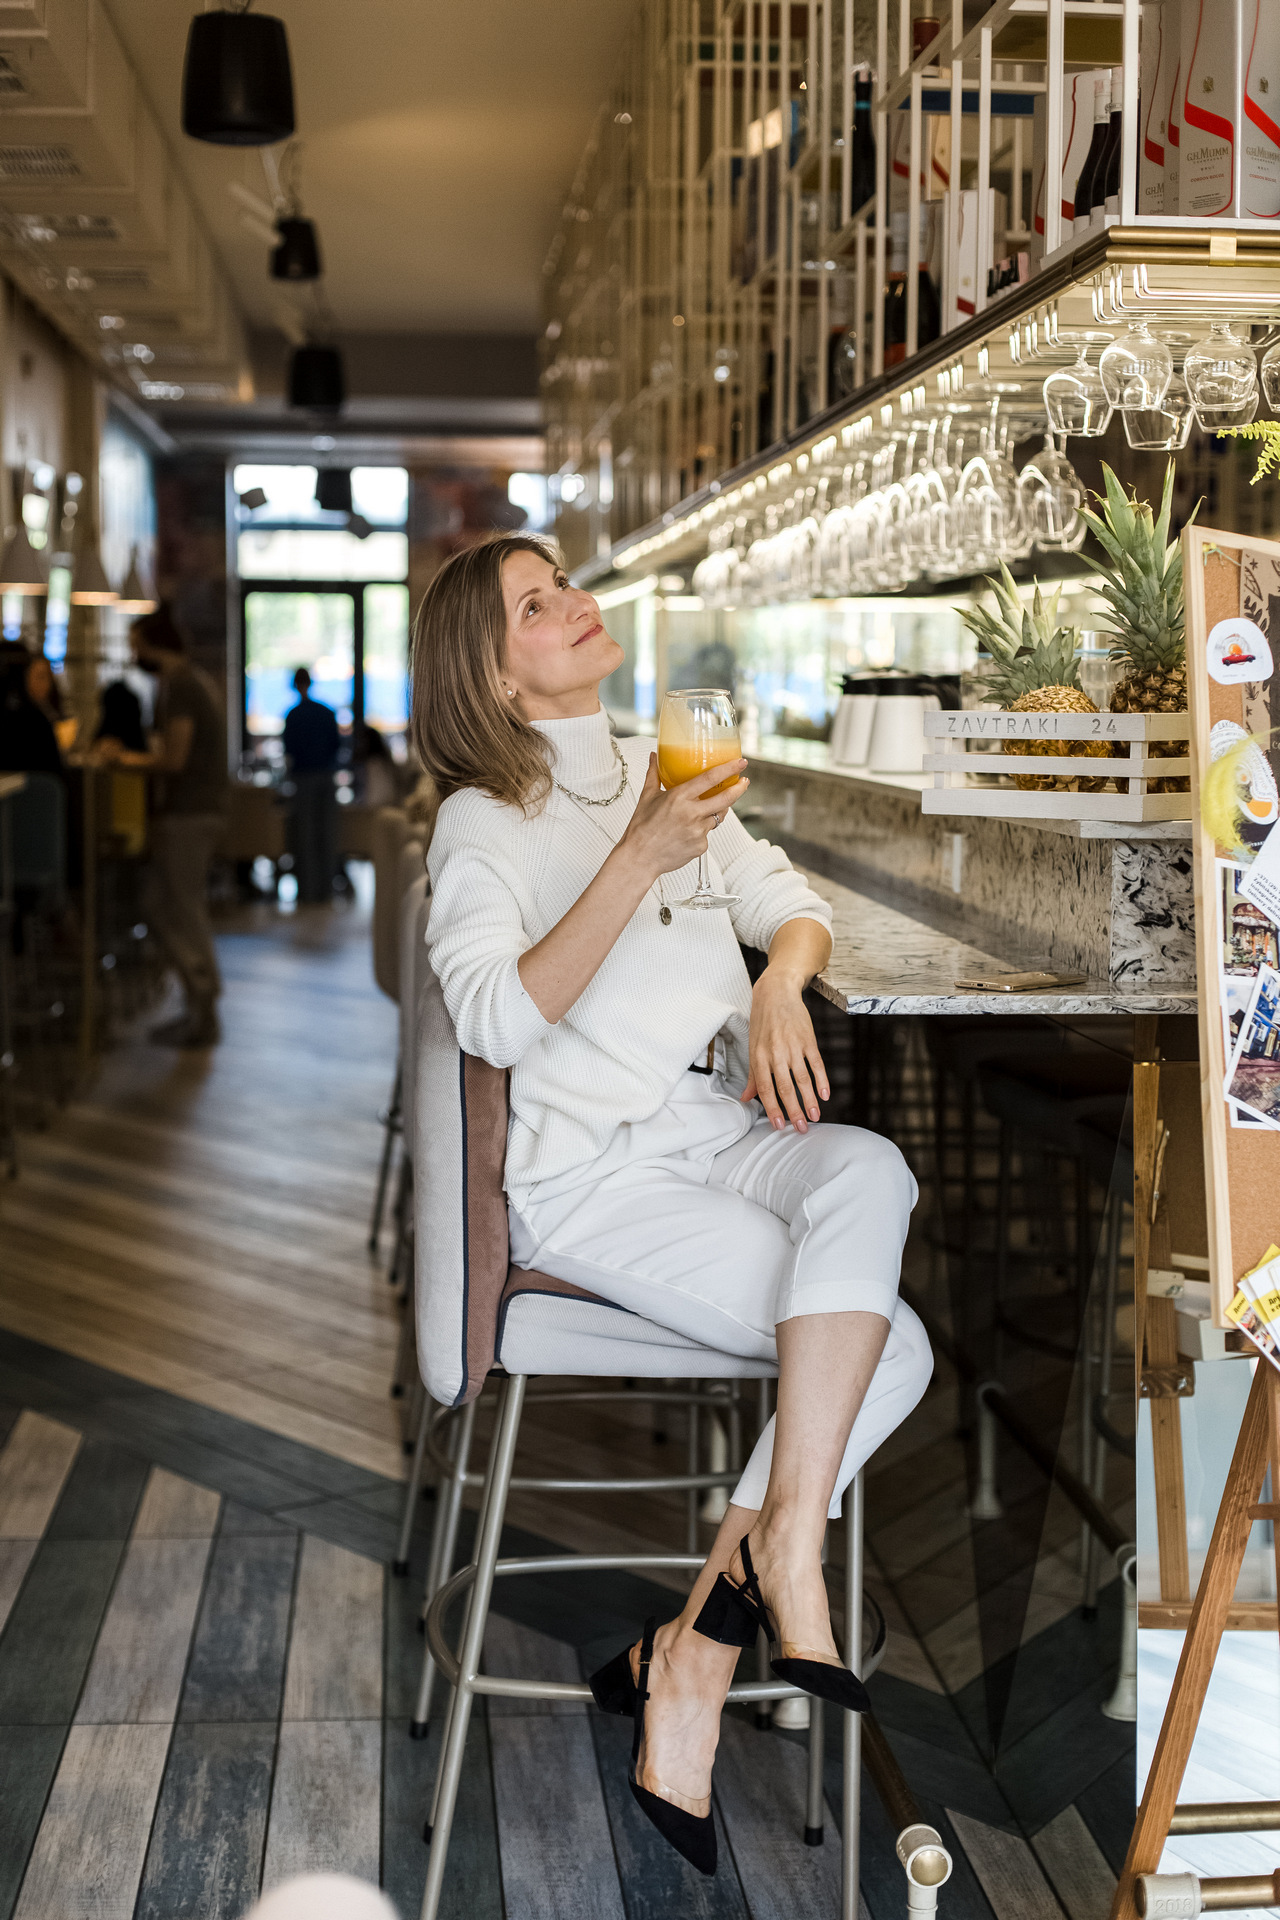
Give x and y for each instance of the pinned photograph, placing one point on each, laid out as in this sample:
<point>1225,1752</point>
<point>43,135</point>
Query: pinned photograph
<point>1253,1078</point>
<point>1247,940</point>
<point>1238,651</point>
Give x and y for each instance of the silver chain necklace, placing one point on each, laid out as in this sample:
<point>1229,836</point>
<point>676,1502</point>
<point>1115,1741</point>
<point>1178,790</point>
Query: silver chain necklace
<point>585,800</point>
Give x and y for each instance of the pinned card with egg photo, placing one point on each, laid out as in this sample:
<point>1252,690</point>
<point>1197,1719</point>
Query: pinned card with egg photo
<point>1232,597</point>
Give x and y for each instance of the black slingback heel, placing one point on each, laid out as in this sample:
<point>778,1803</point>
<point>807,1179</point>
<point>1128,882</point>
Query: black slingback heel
<point>613,1687</point>
<point>733,1616</point>
<point>691,1834</point>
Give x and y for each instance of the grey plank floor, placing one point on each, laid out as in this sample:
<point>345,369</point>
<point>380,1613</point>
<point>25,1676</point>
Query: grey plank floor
<point>235,1712</point>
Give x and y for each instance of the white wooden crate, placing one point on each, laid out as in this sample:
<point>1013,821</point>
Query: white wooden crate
<point>957,732</point>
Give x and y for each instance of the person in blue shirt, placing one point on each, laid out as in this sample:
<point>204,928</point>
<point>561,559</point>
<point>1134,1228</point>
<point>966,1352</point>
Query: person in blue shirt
<point>311,741</point>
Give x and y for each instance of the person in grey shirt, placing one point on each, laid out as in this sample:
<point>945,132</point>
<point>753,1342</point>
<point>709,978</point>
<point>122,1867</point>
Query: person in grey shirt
<point>188,756</point>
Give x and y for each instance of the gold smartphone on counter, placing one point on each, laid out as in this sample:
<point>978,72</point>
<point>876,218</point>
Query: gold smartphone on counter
<point>1019,982</point>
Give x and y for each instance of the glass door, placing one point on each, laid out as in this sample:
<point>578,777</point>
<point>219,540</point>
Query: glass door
<point>290,627</point>
<point>386,658</point>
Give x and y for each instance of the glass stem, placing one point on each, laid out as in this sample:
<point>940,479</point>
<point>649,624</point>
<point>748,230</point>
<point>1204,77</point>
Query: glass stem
<point>704,884</point>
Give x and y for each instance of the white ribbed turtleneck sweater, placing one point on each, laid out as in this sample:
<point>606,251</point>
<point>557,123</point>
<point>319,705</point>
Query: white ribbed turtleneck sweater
<point>500,880</point>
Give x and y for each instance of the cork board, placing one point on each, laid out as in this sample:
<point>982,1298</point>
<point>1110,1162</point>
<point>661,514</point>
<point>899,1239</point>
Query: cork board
<point>1226,576</point>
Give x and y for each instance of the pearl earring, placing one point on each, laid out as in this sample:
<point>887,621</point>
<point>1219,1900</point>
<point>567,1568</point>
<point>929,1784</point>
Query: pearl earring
<point>510,693</point>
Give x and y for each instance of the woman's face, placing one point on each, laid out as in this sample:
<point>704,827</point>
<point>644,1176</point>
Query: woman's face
<point>40,680</point>
<point>557,649</point>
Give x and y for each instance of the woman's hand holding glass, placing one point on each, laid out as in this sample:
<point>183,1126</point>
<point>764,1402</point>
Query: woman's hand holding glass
<point>670,827</point>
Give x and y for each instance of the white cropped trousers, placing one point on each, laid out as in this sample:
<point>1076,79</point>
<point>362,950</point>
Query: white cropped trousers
<point>708,1221</point>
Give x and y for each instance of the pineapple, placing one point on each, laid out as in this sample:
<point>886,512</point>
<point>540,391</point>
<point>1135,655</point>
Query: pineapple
<point>1037,674</point>
<point>1143,590</point>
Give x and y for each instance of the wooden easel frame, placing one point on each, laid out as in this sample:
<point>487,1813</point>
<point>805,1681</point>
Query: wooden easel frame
<point>1238,1166</point>
<point>1257,1447</point>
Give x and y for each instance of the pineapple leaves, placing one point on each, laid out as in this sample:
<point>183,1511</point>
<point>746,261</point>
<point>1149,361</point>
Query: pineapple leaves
<point>1143,584</point>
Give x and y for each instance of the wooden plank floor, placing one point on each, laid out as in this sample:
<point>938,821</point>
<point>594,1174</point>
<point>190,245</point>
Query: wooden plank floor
<point>196,1227</point>
<point>176,1764</point>
<point>197,1221</point>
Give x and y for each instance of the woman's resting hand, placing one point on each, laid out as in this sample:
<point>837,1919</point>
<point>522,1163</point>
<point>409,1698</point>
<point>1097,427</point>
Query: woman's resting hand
<point>668,829</point>
<point>788,1076</point>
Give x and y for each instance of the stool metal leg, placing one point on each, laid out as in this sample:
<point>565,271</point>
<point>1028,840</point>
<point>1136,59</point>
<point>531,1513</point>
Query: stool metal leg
<point>390,1128</point>
<point>692,1497</point>
<point>501,1459</point>
<point>851,1822</point>
<point>444,1543</point>
<point>400,1565</point>
<point>815,1806</point>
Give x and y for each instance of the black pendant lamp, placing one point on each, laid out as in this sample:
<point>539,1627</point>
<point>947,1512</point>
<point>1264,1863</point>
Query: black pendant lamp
<point>237,84</point>
<point>333,489</point>
<point>316,379</point>
<point>298,255</point>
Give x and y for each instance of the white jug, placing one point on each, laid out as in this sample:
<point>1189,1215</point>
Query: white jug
<point>897,737</point>
<point>851,729</point>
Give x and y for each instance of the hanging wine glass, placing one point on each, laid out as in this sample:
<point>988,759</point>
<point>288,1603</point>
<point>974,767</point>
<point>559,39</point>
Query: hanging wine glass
<point>1136,369</point>
<point>1076,400</point>
<point>1222,379</point>
<point>1051,495</point>
<point>1269,371</point>
<point>1162,429</point>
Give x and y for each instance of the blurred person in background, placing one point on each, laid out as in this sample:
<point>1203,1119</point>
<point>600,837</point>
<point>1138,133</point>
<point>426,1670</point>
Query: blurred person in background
<point>121,717</point>
<point>375,770</point>
<point>192,790</point>
<point>28,740</point>
<point>311,742</point>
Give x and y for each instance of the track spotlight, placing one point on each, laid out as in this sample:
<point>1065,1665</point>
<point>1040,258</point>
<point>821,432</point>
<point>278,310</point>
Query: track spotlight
<point>316,379</point>
<point>333,489</point>
<point>297,257</point>
<point>237,84</point>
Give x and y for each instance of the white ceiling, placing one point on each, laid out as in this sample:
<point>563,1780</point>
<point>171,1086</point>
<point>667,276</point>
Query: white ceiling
<point>438,143</point>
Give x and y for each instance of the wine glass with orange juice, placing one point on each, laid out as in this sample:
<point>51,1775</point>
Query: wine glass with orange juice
<point>698,730</point>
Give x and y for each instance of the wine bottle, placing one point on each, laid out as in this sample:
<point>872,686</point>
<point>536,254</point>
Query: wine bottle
<point>924,30</point>
<point>863,152</point>
<point>928,305</point>
<point>895,293</point>
<point>1083,205</point>
<point>1111,180</point>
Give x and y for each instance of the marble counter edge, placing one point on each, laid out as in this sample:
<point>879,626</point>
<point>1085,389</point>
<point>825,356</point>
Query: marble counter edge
<point>1077,1002</point>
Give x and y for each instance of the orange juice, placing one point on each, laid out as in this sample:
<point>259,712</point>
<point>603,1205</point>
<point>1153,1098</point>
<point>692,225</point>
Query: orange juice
<point>681,760</point>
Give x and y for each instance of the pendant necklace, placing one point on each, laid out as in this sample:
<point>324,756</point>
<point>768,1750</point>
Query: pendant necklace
<point>585,800</point>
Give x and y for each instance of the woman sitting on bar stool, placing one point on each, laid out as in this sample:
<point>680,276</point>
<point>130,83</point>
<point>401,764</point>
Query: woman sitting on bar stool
<point>702,1196</point>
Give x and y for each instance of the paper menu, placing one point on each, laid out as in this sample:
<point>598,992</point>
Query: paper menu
<point>1261,883</point>
<point>1256,1306</point>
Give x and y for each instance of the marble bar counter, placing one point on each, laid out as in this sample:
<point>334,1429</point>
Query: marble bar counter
<point>887,961</point>
<point>1107,899</point>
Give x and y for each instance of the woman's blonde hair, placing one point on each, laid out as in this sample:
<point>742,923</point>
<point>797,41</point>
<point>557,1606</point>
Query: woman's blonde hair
<point>464,727</point>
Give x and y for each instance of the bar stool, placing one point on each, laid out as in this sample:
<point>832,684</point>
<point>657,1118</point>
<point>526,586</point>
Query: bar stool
<point>1041,1101</point>
<point>390,831</point>
<point>1106,1146</point>
<point>414,907</point>
<point>477,1316</point>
